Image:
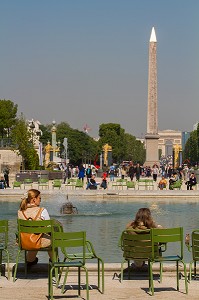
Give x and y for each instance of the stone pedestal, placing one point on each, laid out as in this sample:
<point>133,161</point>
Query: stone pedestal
<point>151,150</point>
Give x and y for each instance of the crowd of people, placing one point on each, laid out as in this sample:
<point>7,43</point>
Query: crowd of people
<point>163,175</point>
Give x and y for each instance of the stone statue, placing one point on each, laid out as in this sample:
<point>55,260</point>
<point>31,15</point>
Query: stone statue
<point>47,148</point>
<point>106,148</point>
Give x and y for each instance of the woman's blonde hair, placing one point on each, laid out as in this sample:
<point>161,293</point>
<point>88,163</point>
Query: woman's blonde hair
<point>32,193</point>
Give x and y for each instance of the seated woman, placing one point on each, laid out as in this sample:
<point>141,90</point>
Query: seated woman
<point>143,221</point>
<point>30,209</point>
<point>92,184</point>
<point>104,182</point>
<point>2,183</point>
<point>191,182</point>
<point>162,183</point>
<point>172,180</point>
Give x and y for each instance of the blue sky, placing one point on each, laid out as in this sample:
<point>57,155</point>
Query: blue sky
<point>86,61</point>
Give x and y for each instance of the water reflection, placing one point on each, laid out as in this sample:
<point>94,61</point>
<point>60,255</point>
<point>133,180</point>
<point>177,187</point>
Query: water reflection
<point>104,220</point>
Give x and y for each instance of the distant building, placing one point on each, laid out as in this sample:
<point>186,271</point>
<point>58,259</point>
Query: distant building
<point>195,126</point>
<point>168,139</point>
<point>185,137</point>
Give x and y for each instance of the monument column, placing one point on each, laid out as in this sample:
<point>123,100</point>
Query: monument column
<point>152,136</point>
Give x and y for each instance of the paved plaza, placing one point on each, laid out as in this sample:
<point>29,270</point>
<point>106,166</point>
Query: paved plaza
<point>36,286</point>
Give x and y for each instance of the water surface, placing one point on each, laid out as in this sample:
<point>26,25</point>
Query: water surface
<point>104,220</point>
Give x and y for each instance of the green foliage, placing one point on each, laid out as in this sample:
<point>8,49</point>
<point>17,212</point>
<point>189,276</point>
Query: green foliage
<point>46,134</point>
<point>80,145</point>
<point>21,137</point>
<point>113,135</point>
<point>134,150</point>
<point>8,112</point>
<point>124,145</point>
<point>191,148</point>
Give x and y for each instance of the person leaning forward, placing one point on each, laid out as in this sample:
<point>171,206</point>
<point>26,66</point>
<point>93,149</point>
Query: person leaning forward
<point>30,209</point>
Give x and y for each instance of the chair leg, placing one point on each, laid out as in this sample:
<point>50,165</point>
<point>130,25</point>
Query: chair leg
<point>177,274</point>
<point>185,278</point>
<point>0,261</point>
<point>151,286</point>
<point>50,283</point>
<point>79,280</point>
<point>194,269</point>
<point>128,270</point>
<point>161,271</point>
<point>87,285</point>
<point>122,271</point>
<point>102,263</point>
<point>16,265</point>
<point>98,273</point>
<point>8,263</point>
<point>26,266</point>
<point>190,270</point>
<point>64,282</point>
<point>100,268</point>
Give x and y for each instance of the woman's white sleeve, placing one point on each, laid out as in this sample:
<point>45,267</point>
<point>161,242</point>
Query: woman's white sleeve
<point>45,215</point>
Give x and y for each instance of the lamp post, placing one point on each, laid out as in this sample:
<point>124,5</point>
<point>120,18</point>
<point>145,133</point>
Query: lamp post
<point>32,127</point>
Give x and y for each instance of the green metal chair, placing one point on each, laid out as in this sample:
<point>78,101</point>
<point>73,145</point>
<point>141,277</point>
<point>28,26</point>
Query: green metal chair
<point>136,245</point>
<point>79,184</point>
<point>64,241</point>
<point>168,236</point>
<point>89,254</point>
<point>56,183</point>
<point>194,248</point>
<point>43,183</point>
<point>16,184</point>
<point>146,183</point>
<point>4,244</point>
<point>130,185</point>
<point>44,226</point>
<point>28,183</point>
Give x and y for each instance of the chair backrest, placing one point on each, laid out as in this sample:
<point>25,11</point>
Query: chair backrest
<point>166,236</point>
<point>57,182</point>
<point>4,233</point>
<point>136,244</point>
<point>43,226</point>
<point>43,180</point>
<point>195,244</point>
<point>69,242</point>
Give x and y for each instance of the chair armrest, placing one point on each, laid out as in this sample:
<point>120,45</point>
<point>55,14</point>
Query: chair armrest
<point>90,247</point>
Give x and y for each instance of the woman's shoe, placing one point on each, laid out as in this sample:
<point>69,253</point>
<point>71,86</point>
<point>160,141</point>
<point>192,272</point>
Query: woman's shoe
<point>31,263</point>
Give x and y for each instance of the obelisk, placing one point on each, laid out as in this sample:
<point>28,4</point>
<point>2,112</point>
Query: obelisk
<point>152,113</point>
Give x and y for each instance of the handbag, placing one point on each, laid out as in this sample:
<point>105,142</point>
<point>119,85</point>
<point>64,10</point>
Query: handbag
<point>31,241</point>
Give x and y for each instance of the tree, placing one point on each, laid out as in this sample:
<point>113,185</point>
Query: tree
<point>134,150</point>
<point>113,135</point>
<point>124,145</point>
<point>80,145</point>
<point>8,112</point>
<point>21,138</point>
<point>191,148</point>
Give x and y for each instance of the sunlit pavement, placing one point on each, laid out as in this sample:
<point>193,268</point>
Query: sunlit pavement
<point>36,286</point>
